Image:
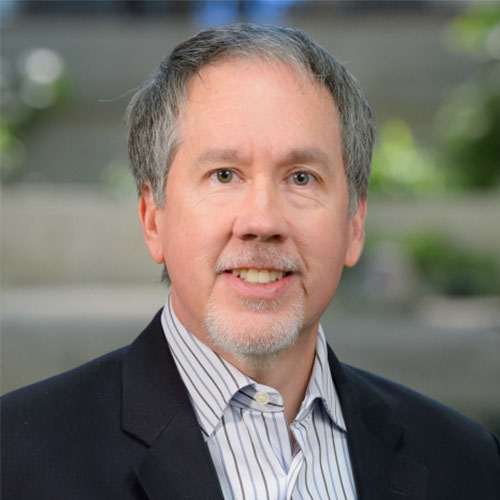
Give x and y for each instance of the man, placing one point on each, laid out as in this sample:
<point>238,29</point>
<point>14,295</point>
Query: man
<point>251,149</point>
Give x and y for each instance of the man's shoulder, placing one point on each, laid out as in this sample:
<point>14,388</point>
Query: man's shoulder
<point>65,395</point>
<point>399,397</point>
<point>55,427</point>
<point>96,381</point>
<point>64,437</point>
<point>424,419</point>
<point>388,421</point>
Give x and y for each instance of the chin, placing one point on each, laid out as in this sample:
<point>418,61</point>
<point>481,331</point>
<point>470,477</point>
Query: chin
<point>259,332</point>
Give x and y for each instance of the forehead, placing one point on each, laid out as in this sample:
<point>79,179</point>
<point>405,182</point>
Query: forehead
<point>233,71</point>
<point>257,98</point>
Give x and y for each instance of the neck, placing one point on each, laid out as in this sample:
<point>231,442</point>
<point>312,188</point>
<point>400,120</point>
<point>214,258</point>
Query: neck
<point>288,372</point>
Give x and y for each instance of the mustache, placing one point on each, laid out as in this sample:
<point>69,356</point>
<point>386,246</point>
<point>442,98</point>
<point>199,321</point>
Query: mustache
<point>257,256</point>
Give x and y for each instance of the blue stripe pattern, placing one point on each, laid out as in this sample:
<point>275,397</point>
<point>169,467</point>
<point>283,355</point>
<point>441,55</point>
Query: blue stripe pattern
<point>244,426</point>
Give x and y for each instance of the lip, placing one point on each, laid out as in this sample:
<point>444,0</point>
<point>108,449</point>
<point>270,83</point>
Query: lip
<point>256,290</point>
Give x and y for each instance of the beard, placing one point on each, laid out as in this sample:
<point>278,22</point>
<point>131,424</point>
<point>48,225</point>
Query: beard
<point>264,328</point>
<point>256,340</point>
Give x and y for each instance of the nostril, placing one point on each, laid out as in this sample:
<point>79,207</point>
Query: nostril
<point>249,237</point>
<point>273,238</point>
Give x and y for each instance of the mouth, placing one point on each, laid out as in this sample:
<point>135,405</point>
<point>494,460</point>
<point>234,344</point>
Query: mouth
<point>259,276</point>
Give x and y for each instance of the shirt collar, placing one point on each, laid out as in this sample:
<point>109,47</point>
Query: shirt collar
<point>212,382</point>
<point>321,386</point>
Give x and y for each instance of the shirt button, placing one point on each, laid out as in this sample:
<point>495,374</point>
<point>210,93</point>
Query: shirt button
<point>262,398</point>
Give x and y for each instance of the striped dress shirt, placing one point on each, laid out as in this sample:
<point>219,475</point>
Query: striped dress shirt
<point>244,426</point>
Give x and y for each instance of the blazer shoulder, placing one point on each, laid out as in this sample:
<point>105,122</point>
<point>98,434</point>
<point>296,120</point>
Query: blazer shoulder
<point>98,379</point>
<point>426,420</point>
<point>63,437</point>
<point>460,454</point>
<point>408,403</point>
<point>61,395</point>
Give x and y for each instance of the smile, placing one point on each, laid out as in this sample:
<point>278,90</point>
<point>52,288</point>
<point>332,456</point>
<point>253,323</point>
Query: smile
<point>261,276</point>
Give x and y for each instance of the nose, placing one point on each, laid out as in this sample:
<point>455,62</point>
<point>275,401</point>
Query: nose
<point>261,214</point>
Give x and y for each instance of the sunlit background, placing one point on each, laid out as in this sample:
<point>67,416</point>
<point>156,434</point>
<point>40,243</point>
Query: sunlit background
<point>422,307</point>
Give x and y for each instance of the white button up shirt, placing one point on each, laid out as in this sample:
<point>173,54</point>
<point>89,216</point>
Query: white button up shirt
<point>246,431</point>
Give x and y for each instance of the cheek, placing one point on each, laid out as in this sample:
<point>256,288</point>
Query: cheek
<point>324,245</point>
<point>193,240</point>
<point>330,262</point>
<point>326,233</point>
<point>325,263</point>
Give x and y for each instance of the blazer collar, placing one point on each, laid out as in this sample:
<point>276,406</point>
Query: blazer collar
<point>156,410</point>
<point>375,439</point>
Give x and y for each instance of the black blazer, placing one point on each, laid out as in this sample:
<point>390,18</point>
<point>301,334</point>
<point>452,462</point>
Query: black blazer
<point>122,427</point>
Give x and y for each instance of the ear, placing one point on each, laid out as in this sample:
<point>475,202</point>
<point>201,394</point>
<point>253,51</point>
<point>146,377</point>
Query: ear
<point>357,235</point>
<point>148,214</point>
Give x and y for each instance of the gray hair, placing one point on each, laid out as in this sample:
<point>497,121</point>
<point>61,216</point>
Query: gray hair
<point>152,115</point>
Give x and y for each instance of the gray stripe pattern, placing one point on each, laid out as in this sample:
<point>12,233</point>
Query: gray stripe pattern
<point>244,426</point>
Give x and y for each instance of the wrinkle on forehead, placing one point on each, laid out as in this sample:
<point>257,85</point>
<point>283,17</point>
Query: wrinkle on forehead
<point>277,65</point>
<point>210,83</point>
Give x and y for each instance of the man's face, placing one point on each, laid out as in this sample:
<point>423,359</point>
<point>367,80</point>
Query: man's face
<point>255,230</point>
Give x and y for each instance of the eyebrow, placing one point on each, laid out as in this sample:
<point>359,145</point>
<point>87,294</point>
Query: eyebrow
<point>308,155</point>
<point>221,156</point>
<point>299,155</point>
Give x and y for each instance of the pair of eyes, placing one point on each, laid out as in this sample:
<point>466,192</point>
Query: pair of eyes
<point>226,176</point>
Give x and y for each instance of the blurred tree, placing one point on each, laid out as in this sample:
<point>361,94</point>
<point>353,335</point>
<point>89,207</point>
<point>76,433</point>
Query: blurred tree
<point>400,166</point>
<point>29,88</point>
<point>449,269</point>
<point>469,121</point>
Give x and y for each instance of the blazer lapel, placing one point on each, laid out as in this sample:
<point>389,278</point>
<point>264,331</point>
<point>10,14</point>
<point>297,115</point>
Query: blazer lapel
<point>376,441</point>
<point>157,411</point>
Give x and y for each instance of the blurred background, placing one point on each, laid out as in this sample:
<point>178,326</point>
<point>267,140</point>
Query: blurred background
<point>423,305</point>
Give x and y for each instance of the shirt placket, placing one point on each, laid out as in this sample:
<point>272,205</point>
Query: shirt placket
<point>263,416</point>
<point>299,428</point>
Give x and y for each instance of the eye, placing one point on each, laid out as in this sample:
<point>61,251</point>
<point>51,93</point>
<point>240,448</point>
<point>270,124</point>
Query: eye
<point>302,178</point>
<point>224,176</point>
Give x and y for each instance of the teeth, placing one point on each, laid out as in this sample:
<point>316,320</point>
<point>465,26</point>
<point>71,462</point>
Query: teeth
<point>262,276</point>
<point>253,276</point>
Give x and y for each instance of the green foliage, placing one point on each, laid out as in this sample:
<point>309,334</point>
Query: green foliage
<point>475,30</point>
<point>468,124</point>
<point>470,131</point>
<point>471,139</point>
<point>12,151</point>
<point>469,121</point>
<point>449,269</point>
<point>399,166</point>
<point>35,85</point>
